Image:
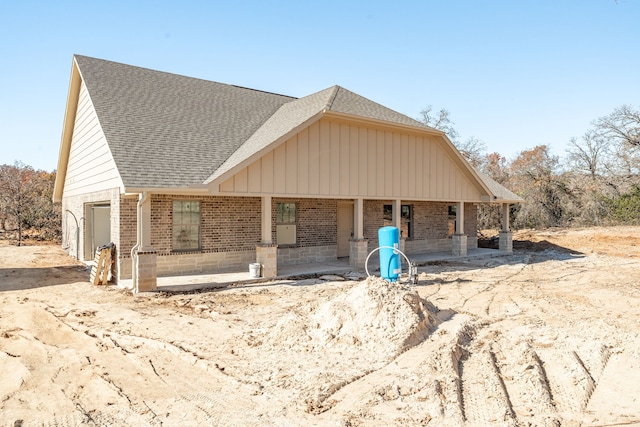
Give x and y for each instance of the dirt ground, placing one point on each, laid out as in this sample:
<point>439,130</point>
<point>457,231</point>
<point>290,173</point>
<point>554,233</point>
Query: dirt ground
<point>547,336</point>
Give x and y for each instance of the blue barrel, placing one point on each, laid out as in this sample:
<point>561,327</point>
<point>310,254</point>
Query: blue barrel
<point>389,258</point>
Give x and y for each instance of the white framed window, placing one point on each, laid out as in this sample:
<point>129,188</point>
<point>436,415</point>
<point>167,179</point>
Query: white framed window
<point>186,225</point>
<point>285,213</point>
<point>286,223</point>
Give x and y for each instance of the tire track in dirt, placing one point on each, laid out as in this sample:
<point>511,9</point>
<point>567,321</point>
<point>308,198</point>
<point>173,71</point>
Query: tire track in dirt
<point>485,400</point>
<point>420,385</point>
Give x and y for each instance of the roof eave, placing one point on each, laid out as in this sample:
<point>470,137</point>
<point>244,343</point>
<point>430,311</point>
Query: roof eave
<point>214,184</point>
<point>193,189</point>
<point>75,81</point>
<point>368,120</point>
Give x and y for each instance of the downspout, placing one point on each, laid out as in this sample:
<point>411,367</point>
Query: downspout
<point>134,251</point>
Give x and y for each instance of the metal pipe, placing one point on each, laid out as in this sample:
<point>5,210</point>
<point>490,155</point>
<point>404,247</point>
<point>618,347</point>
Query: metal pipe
<point>413,269</point>
<point>77,234</point>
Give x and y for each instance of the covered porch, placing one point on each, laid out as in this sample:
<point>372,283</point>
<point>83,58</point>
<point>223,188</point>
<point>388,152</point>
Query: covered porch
<point>358,245</point>
<point>185,283</point>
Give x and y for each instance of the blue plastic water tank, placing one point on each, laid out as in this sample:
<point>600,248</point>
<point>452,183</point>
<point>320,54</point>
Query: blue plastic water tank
<point>389,258</point>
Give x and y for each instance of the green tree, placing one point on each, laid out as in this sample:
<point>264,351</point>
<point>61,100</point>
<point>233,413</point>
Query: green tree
<point>626,208</point>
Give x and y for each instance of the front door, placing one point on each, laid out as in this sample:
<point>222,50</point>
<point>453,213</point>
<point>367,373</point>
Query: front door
<point>345,228</point>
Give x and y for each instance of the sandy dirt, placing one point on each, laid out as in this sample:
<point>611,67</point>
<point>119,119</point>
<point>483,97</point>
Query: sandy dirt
<point>548,336</point>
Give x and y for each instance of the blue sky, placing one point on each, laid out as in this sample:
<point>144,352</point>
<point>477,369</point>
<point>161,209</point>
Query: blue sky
<point>514,74</point>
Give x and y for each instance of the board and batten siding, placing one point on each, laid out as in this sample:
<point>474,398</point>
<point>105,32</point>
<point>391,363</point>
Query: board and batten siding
<point>335,158</point>
<point>91,166</point>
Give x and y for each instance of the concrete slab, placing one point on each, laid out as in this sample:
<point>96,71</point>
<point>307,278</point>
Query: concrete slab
<point>338,267</point>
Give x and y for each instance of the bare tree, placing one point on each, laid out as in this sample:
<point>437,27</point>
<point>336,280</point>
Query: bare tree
<point>25,200</point>
<point>622,126</point>
<point>534,175</point>
<point>440,120</point>
<point>14,192</point>
<point>589,154</point>
<point>472,149</point>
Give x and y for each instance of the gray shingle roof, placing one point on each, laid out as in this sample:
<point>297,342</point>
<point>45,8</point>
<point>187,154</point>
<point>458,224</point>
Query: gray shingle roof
<point>348,102</point>
<point>294,113</point>
<point>171,131</point>
<point>167,130</point>
<point>502,194</point>
<point>288,117</point>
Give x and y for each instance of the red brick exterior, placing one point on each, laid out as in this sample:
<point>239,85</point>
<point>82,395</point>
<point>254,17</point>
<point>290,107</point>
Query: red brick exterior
<point>430,219</point>
<point>228,224</point>
<point>316,221</point>
<point>128,219</point>
<point>233,225</point>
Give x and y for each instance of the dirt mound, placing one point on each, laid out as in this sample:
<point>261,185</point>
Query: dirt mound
<point>374,314</point>
<point>329,342</point>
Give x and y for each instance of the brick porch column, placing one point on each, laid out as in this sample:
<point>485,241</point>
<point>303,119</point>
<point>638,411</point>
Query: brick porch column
<point>267,251</point>
<point>459,245</point>
<point>146,271</point>
<point>505,242</point>
<point>146,274</point>
<point>459,239</point>
<point>358,251</point>
<point>267,256</point>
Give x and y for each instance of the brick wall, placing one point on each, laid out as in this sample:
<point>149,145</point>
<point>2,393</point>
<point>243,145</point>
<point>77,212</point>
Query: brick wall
<point>316,221</point>
<point>231,227</point>
<point>430,219</point>
<point>128,219</point>
<point>471,220</point>
<point>430,225</point>
<point>228,224</point>
<point>80,207</point>
<point>307,254</point>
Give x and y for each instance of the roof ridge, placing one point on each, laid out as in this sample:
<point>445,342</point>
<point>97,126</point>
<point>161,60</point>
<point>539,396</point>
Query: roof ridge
<point>332,98</point>
<point>293,98</point>
<point>170,73</point>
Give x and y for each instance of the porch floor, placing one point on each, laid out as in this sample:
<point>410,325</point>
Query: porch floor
<point>340,266</point>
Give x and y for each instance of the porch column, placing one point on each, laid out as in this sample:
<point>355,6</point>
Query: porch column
<point>358,246</point>
<point>266,220</point>
<point>145,224</point>
<point>459,239</point>
<point>396,215</point>
<point>145,267</point>
<point>267,251</point>
<point>505,242</point>
<point>396,211</point>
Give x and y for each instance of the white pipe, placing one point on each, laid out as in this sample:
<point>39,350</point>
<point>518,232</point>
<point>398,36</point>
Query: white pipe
<point>77,234</point>
<point>395,250</point>
<point>134,250</point>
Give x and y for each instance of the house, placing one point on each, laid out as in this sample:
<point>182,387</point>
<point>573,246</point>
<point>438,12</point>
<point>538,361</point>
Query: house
<point>191,176</point>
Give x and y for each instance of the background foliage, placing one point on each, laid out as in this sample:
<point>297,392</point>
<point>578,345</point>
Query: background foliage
<point>597,182</point>
<point>26,204</point>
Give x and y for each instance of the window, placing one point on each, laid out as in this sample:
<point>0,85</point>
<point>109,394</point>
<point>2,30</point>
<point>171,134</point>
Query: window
<point>406,219</point>
<point>285,213</point>
<point>286,223</point>
<point>452,221</point>
<point>186,225</point>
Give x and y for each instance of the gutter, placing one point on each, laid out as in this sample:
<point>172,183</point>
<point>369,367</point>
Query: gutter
<point>142,197</point>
